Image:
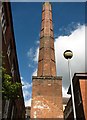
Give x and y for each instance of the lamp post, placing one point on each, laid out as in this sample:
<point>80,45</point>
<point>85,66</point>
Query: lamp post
<point>68,54</point>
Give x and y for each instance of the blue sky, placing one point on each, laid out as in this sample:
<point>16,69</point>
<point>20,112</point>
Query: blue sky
<point>67,17</point>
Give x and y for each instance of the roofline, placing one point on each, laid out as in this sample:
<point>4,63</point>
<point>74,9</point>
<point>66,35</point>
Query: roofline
<point>77,76</point>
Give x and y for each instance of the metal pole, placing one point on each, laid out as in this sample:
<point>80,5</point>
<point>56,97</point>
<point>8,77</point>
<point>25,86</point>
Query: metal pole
<point>72,92</point>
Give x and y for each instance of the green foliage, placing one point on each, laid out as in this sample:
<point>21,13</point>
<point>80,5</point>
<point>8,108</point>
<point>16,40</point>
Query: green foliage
<point>10,89</point>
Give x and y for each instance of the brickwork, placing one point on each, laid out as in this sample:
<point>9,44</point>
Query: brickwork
<point>46,65</point>
<point>47,87</point>
<point>15,109</point>
<point>83,88</point>
<point>47,97</point>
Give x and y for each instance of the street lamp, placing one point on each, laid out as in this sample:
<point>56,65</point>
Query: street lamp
<point>68,54</point>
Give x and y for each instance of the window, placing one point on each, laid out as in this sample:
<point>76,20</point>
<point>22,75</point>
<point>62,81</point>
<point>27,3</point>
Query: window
<point>9,49</point>
<point>6,108</point>
<point>3,20</point>
<point>12,113</point>
<point>6,13</point>
<point>12,70</point>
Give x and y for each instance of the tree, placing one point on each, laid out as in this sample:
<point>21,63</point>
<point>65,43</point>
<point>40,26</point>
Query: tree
<point>10,89</point>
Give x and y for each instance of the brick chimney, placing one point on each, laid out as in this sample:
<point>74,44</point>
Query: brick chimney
<point>46,86</point>
<point>46,63</point>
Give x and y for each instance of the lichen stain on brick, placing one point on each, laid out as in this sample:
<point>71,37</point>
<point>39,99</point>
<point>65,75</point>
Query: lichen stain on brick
<point>41,105</point>
<point>35,113</point>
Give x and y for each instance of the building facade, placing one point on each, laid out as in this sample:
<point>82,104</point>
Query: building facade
<point>65,101</point>
<point>0,65</point>
<point>28,110</point>
<point>47,87</point>
<point>80,90</point>
<point>11,109</point>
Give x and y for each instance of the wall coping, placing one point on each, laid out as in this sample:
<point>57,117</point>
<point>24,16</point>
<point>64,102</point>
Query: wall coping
<point>47,77</point>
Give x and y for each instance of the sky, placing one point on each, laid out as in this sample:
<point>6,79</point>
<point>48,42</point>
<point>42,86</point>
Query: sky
<point>69,33</point>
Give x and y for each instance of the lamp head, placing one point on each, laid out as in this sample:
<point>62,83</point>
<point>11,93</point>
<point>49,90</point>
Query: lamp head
<point>68,54</point>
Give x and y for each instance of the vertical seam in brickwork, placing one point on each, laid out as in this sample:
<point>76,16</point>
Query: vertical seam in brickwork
<point>54,59</point>
<point>43,41</point>
<point>49,20</point>
<point>44,20</point>
<point>50,44</point>
<point>43,44</point>
<point>50,56</point>
<point>43,60</point>
<point>53,89</point>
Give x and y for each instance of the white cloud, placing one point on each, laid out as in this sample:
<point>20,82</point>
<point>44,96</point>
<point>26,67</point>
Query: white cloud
<point>36,55</point>
<point>64,92</point>
<point>30,66</point>
<point>26,85</point>
<point>26,89</point>
<point>21,78</point>
<point>28,103</point>
<point>30,53</point>
<point>76,43</point>
<point>33,54</point>
<point>35,72</point>
<point>26,94</point>
<point>37,42</point>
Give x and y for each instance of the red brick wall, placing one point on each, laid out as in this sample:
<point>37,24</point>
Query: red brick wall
<point>47,97</point>
<point>83,87</point>
<point>8,38</point>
